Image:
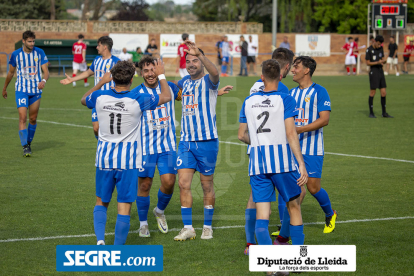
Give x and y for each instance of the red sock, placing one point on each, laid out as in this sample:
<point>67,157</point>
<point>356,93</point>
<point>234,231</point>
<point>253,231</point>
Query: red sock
<point>347,69</point>
<point>354,69</point>
<point>282,239</point>
<point>85,80</point>
<point>73,75</point>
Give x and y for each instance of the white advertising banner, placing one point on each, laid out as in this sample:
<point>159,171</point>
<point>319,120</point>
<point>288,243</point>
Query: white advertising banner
<point>129,41</point>
<point>234,41</point>
<point>313,45</point>
<point>170,42</point>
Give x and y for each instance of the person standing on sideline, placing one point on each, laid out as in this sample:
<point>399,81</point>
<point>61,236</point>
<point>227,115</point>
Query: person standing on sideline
<point>243,57</point>
<point>125,56</point>
<point>251,55</point>
<point>225,56</point>
<point>375,59</point>
<point>218,46</point>
<point>392,56</point>
<point>79,59</point>
<point>285,43</point>
<point>349,58</point>
<point>181,57</point>
<point>29,61</point>
<point>408,50</point>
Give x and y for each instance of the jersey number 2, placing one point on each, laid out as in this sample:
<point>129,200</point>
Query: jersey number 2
<point>261,129</point>
<point>118,123</point>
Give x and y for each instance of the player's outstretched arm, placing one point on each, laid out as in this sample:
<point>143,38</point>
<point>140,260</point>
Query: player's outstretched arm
<point>243,133</point>
<point>225,90</point>
<point>293,140</point>
<point>210,67</point>
<point>159,71</point>
<point>105,79</point>
<point>322,121</point>
<point>9,77</point>
<point>82,76</point>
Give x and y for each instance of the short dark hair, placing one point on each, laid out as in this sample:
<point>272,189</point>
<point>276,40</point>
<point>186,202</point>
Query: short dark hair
<point>202,52</point>
<point>80,36</point>
<point>184,36</point>
<point>379,38</point>
<point>123,72</point>
<point>146,60</point>
<point>392,36</point>
<point>371,37</point>
<point>271,69</point>
<point>28,34</point>
<point>350,37</point>
<point>307,62</point>
<point>138,48</point>
<point>152,39</point>
<point>107,41</point>
<point>283,56</point>
<point>356,39</point>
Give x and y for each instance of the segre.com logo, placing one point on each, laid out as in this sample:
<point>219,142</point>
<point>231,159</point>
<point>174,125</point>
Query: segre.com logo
<point>109,258</point>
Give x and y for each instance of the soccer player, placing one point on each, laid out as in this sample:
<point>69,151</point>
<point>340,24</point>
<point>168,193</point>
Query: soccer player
<point>284,57</point>
<point>267,125</point>
<point>29,61</point>
<point>408,49</point>
<point>218,43</point>
<point>100,66</point>
<point>119,153</point>
<point>79,59</point>
<point>392,56</point>
<point>199,145</point>
<point>349,48</point>
<point>181,57</point>
<point>375,59</point>
<point>225,56</point>
<point>314,106</point>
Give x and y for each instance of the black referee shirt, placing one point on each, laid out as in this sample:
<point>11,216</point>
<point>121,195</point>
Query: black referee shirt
<point>374,55</point>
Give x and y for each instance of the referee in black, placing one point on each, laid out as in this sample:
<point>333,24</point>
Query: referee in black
<point>375,58</point>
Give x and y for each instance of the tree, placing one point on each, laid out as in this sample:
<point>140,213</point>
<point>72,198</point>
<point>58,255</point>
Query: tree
<point>132,11</point>
<point>52,10</point>
<point>31,9</point>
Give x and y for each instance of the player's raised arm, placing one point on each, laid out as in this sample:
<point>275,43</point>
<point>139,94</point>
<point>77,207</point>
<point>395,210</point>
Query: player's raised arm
<point>9,77</point>
<point>159,71</point>
<point>210,67</point>
<point>82,76</point>
<point>105,79</point>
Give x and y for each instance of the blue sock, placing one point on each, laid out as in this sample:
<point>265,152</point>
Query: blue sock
<point>97,138</point>
<point>281,206</point>
<point>99,222</point>
<point>143,203</point>
<point>163,200</point>
<point>250,215</point>
<point>31,132</point>
<point>285,231</point>
<point>208,216</point>
<point>23,136</point>
<point>121,229</point>
<point>224,69</point>
<point>296,234</point>
<point>186,214</point>
<point>323,199</point>
<point>262,232</point>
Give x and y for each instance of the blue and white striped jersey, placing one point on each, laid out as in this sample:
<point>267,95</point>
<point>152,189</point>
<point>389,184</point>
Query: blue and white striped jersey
<point>199,99</point>
<point>119,145</point>
<point>225,49</point>
<point>29,69</point>
<point>309,102</point>
<point>158,126</point>
<point>100,66</point>
<point>265,114</point>
<point>259,86</point>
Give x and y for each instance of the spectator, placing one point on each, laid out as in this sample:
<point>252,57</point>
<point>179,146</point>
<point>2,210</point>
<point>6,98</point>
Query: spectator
<point>125,56</point>
<point>243,59</point>
<point>392,56</point>
<point>407,53</point>
<point>218,46</point>
<point>285,43</point>
<point>136,57</point>
<point>152,48</point>
<point>181,61</point>
<point>251,54</point>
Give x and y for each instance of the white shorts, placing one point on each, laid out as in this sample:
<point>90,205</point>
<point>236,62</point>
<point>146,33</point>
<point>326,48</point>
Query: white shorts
<point>183,72</point>
<point>391,60</point>
<point>79,66</point>
<point>350,60</point>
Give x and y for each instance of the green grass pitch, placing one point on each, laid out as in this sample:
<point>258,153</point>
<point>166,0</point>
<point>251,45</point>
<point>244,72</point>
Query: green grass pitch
<point>52,193</point>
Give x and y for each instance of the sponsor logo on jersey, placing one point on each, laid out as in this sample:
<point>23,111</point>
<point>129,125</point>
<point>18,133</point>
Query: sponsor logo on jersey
<point>301,121</point>
<point>115,108</point>
<point>159,122</point>
<point>120,104</point>
<point>267,101</point>
<point>189,108</point>
<point>327,103</point>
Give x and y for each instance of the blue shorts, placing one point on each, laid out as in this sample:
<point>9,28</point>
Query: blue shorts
<point>314,165</point>
<point>126,182</point>
<point>165,162</point>
<point>94,115</point>
<point>225,59</point>
<point>200,156</point>
<point>263,186</point>
<point>26,100</point>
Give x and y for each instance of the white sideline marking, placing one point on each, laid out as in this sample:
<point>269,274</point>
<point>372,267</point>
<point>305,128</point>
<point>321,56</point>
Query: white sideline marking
<point>53,108</point>
<point>240,144</point>
<point>177,229</point>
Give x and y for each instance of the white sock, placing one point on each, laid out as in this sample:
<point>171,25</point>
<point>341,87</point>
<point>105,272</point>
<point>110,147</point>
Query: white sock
<point>158,211</point>
<point>143,223</point>
<point>188,226</point>
<point>207,226</point>
<point>101,242</point>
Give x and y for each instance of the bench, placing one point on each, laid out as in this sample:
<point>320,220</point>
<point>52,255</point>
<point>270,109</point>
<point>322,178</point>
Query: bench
<point>63,61</point>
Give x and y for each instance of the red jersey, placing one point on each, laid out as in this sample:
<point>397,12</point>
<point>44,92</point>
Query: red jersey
<point>349,47</point>
<point>77,49</point>
<point>407,50</point>
<point>181,53</point>
<point>355,54</point>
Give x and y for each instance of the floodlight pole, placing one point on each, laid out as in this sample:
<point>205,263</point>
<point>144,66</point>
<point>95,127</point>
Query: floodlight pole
<point>274,22</point>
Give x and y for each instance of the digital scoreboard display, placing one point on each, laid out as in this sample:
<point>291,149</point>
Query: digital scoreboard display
<point>389,16</point>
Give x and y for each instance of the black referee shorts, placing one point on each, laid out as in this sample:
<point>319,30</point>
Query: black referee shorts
<point>377,79</point>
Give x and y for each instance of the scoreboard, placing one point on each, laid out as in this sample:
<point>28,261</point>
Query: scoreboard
<point>389,16</point>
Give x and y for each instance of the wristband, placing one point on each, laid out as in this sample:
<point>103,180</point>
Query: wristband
<point>44,80</point>
<point>161,77</point>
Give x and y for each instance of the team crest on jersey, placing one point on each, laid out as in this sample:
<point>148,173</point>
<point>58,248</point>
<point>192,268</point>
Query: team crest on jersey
<point>36,59</point>
<point>108,67</point>
<point>307,98</point>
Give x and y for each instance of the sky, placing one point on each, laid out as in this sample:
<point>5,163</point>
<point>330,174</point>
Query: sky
<point>178,2</point>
